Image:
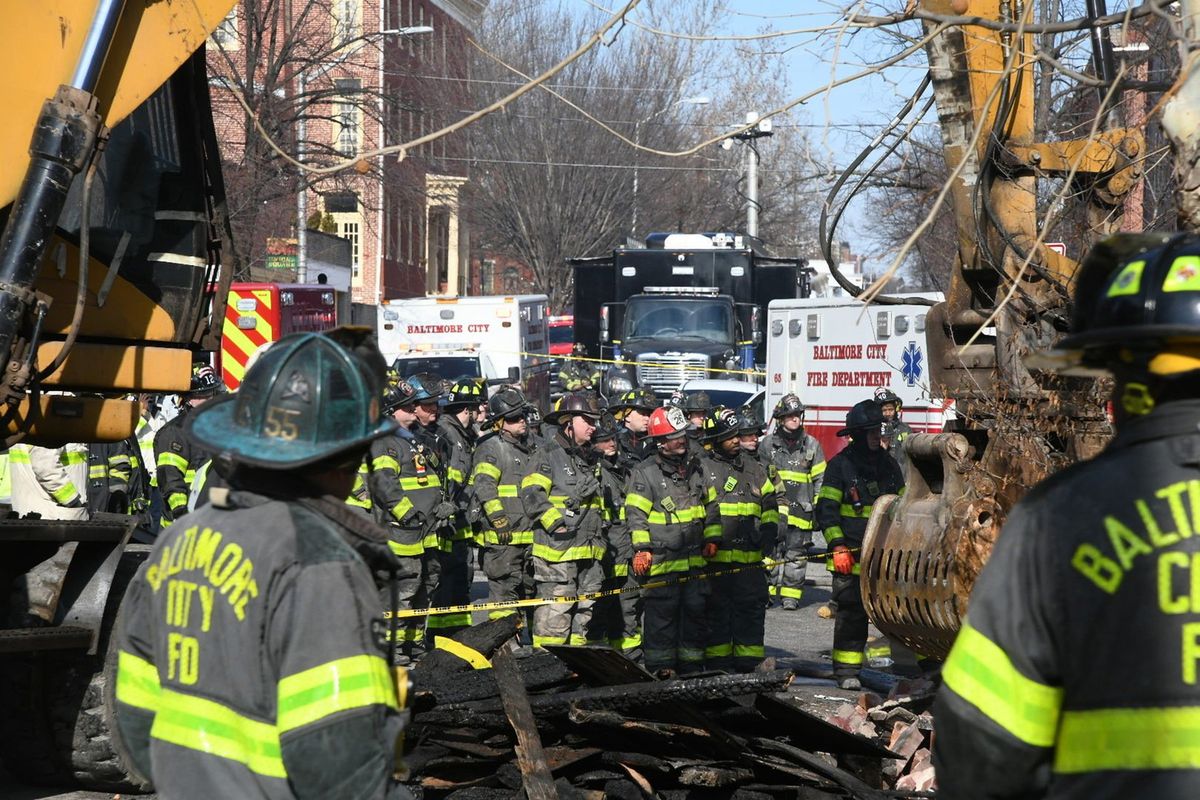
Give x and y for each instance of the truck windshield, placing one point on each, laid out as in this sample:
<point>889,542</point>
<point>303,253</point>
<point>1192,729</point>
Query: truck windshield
<point>709,319</point>
<point>562,334</point>
<point>448,367</point>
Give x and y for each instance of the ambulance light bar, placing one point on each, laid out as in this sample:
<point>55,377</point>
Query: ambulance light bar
<point>706,291</point>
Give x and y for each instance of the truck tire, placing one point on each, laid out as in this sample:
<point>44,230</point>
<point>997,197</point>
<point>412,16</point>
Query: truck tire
<point>58,728</point>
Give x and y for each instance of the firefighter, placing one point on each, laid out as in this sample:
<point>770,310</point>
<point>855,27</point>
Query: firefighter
<point>176,457</point>
<point>633,412</point>
<point>664,509</point>
<point>405,484</point>
<point>564,501</point>
<point>696,406</point>
<point>49,481</point>
<point>621,614</point>
<point>742,517</point>
<point>799,461</point>
<point>895,430</point>
<point>502,459</point>
<point>251,650</point>
<point>456,436</point>
<point>110,471</point>
<point>1074,673</point>
<point>854,479</point>
<point>578,373</point>
<point>147,428</point>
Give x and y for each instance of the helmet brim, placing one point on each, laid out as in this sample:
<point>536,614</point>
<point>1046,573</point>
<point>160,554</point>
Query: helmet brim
<point>212,425</point>
<point>856,428</point>
<point>557,417</point>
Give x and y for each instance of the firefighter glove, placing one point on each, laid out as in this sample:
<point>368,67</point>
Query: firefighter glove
<point>586,489</point>
<point>642,561</point>
<point>709,550</point>
<point>500,526</point>
<point>444,510</point>
<point>843,560</point>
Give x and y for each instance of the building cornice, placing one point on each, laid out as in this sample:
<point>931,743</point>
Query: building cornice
<point>468,13</point>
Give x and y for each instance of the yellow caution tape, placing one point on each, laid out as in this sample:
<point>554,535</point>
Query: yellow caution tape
<point>531,602</point>
<point>754,372</point>
<point>468,654</point>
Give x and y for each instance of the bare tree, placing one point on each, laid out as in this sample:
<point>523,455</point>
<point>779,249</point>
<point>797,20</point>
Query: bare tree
<point>551,184</point>
<point>278,66</point>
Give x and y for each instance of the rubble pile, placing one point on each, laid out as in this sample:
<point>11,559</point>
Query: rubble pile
<point>903,724</point>
<point>575,722</point>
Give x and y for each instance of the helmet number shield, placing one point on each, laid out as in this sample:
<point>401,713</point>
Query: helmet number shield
<point>280,424</point>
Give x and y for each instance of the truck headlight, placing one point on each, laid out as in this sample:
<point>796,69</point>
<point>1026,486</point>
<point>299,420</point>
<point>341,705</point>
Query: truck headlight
<point>618,384</point>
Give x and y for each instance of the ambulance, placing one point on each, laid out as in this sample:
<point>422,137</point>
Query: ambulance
<point>834,352</point>
<point>501,339</point>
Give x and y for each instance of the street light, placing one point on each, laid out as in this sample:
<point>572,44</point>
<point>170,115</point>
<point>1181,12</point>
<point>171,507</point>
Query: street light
<point>698,100</point>
<point>762,127</point>
<point>301,133</point>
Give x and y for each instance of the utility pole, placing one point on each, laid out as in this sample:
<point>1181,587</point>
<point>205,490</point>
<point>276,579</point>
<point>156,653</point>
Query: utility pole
<point>762,127</point>
<point>1181,119</point>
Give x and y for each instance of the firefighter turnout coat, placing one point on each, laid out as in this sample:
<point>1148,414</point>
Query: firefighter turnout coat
<point>799,462</point>
<point>49,481</point>
<point>565,502</point>
<point>176,459</point>
<point>251,659</point>
<point>1076,673</point>
<point>500,463</point>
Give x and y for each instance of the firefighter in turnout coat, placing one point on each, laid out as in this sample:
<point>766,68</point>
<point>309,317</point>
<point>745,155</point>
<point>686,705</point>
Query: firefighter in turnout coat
<point>456,437</point>
<point>564,501</point>
<point>799,461</point>
<point>664,507</point>
<point>742,518</point>
<point>622,614</point>
<point>1074,674</point>
<point>502,459</point>
<point>251,650</point>
<point>854,480</point>
<point>405,484</point>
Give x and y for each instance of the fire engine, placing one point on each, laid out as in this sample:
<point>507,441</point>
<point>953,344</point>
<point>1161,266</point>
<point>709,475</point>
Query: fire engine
<point>259,313</point>
<point>834,352</point>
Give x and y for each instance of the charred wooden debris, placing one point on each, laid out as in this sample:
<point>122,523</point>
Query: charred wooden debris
<point>577,722</point>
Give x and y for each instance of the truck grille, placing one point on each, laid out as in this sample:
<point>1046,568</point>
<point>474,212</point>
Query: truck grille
<point>664,372</point>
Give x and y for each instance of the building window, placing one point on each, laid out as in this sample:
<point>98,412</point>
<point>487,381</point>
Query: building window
<point>347,20</point>
<point>226,34</point>
<point>347,118</point>
<point>439,242</point>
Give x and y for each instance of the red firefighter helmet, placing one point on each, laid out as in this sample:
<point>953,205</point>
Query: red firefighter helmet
<point>667,423</point>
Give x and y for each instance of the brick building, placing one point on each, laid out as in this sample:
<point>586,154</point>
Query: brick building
<point>351,82</point>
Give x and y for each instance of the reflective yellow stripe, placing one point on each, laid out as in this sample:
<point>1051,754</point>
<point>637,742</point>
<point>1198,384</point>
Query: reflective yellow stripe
<point>718,650</point>
<point>401,508</point>
<point>794,476</point>
<point>65,494</point>
<point>518,537</point>
<point>817,469</point>
<point>429,481</point>
<point>334,686</point>
<point>848,511</point>
<point>749,651</point>
<point>579,553</point>
<point>639,537</point>
<point>493,506</point>
<point>536,479</point>
<point>454,474</point>
<point>800,523</point>
<point>172,460</point>
<point>468,654</point>
<point>385,462</point>
<point>19,454</point>
<point>208,727</point>
<point>847,657</point>
<point>71,458</point>
<point>415,549</point>
<point>679,515</point>
<point>1128,738</point>
<point>507,490</point>
<point>98,471</point>
<point>137,682</point>
<point>643,504</point>
<point>729,556</point>
<point>550,519</point>
<point>830,493</point>
<point>981,673</point>
<point>666,567</point>
<point>712,531</point>
<point>741,509</point>
<point>484,468</point>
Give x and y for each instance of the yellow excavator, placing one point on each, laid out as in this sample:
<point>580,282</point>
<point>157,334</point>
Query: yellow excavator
<point>1009,295</point>
<point>114,224</point>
